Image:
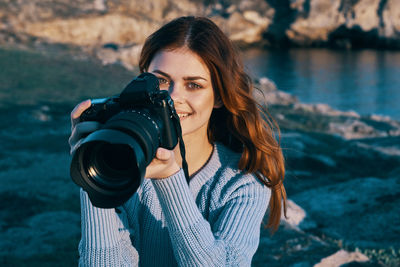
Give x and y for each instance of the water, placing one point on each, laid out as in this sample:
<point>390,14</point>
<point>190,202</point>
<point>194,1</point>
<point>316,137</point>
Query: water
<point>366,81</point>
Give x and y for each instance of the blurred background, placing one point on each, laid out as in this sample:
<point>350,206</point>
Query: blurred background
<point>329,73</point>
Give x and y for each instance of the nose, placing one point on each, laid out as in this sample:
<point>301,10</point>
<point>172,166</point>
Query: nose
<point>176,91</point>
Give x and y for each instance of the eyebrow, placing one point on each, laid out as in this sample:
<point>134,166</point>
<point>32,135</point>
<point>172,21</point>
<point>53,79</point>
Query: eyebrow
<point>187,78</point>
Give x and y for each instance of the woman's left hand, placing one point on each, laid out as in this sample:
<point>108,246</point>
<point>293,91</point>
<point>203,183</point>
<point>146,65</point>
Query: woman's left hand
<point>163,165</point>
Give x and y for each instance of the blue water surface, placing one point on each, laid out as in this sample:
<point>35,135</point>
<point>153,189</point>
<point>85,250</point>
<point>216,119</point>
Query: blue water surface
<point>365,81</point>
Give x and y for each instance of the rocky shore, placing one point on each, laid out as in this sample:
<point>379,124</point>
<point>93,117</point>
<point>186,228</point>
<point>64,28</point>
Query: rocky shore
<point>343,181</point>
<point>343,169</point>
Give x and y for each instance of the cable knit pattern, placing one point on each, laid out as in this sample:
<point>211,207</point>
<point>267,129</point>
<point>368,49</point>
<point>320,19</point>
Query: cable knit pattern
<point>213,221</point>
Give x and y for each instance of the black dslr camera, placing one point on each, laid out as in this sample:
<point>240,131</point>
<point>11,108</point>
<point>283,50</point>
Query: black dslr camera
<point>110,163</point>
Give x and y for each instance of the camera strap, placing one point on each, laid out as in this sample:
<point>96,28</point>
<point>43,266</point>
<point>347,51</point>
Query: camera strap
<point>184,162</point>
<point>182,149</point>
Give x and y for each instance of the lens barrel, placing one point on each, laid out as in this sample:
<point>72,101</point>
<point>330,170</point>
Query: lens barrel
<point>110,163</point>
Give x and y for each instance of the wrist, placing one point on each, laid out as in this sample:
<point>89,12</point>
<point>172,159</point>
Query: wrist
<point>157,172</point>
<point>166,173</point>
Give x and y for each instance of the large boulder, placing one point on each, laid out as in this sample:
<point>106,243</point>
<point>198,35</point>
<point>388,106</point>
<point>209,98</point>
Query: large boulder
<point>315,22</point>
<point>92,30</point>
<point>347,24</point>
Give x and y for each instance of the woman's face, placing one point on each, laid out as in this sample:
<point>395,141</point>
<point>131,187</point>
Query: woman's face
<point>188,81</point>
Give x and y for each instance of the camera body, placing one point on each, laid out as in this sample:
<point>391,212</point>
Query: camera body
<point>141,96</point>
<point>110,163</point>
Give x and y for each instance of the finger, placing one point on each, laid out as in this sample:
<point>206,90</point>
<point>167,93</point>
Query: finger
<point>74,147</point>
<point>81,129</point>
<point>78,110</point>
<point>163,154</point>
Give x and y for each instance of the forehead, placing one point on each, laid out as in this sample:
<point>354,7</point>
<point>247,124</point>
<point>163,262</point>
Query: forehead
<point>180,61</point>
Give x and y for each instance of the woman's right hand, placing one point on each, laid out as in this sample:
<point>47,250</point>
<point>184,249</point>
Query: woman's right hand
<point>80,129</point>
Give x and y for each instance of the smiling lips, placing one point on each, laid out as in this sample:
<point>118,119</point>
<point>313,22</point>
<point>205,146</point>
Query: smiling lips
<point>183,115</point>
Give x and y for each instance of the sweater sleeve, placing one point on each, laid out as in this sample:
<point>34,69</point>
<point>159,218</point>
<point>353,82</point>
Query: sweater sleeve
<point>105,239</point>
<point>232,239</point>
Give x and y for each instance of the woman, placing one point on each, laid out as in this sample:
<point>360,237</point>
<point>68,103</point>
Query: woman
<point>235,165</point>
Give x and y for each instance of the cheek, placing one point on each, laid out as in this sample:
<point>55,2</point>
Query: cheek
<point>204,104</point>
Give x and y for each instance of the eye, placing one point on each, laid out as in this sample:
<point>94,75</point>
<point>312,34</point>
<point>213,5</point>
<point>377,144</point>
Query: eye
<point>194,86</point>
<point>164,83</point>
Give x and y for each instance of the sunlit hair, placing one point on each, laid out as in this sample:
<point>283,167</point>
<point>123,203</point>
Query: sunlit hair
<point>248,128</point>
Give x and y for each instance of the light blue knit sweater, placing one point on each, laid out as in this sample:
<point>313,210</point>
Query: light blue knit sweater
<point>213,221</point>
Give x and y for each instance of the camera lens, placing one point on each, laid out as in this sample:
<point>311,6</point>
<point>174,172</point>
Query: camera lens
<point>111,166</point>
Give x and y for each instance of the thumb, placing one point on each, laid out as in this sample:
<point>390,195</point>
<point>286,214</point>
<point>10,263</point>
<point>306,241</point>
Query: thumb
<point>163,154</point>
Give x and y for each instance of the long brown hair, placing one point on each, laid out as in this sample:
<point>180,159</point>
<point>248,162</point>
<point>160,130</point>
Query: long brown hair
<point>249,129</point>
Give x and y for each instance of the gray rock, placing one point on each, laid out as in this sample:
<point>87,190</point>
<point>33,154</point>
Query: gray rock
<point>295,214</point>
<point>357,209</point>
<point>291,247</point>
<point>342,257</point>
